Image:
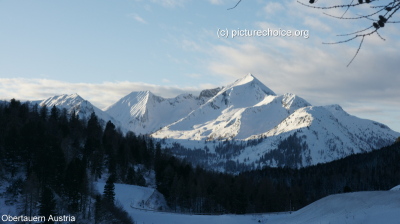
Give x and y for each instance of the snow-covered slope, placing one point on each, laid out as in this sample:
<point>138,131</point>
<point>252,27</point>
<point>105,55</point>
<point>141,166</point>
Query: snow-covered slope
<point>266,129</point>
<point>137,197</point>
<point>290,132</point>
<point>143,112</point>
<point>352,208</point>
<point>317,134</point>
<point>397,188</point>
<point>74,103</point>
<point>355,208</point>
<point>242,109</point>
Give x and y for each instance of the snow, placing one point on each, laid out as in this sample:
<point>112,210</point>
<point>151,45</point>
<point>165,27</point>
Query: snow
<point>149,217</point>
<point>237,111</point>
<point>368,207</point>
<point>141,205</point>
<point>328,131</point>
<point>6,208</point>
<point>249,78</point>
<point>242,111</point>
<point>143,112</point>
<point>132,196</point>
<point>355,208</point>
<point>83,108</point>
<point>397,188</point>
<point>247,110</point>
<point>352,208</point>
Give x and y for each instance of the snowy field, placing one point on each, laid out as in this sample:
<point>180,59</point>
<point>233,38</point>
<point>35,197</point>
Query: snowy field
<point>352,208</point>
<point>147,217</point>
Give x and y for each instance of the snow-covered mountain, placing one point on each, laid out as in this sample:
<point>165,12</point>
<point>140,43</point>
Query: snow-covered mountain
<point>317,134</point>
<point>242,124</point>
<point>74,103</point>
<point>267,129</point>
<point>144,113</point>
<point>245,108</point>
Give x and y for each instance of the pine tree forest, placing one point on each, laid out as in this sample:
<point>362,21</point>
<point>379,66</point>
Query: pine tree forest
<point>51,160</point>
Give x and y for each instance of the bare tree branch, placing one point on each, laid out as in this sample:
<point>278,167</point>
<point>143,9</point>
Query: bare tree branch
<point>358,49</point>
<point>383,12</point>
<point>235,5</point>
<point>386,10</point>
<point>347,9</point>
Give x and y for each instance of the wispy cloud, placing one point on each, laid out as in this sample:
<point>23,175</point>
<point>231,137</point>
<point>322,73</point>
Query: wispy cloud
<point>190,45</point>
<point>272,8</point>
<point>217,2</point>
<point>137,18</point>
<point>170,3</point>
<point>316,24</point>
<point>312,69</point>
<point>309,68</point>
<point>315,71</point>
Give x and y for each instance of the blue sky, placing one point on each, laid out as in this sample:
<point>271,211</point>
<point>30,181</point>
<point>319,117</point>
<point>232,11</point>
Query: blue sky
<point>104,49</point>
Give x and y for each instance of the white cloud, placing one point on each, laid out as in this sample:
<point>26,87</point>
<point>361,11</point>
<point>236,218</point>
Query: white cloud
<point>318,25</point>
<point>190,45</point>
<point>100,94</point>
<point>272,8</point>
<point>194,76</point>
<point>318,72</point>
<point>181,3</point>
<point>312,69</point>
<point>217,2</point>
<point>170,3</point>
<point>137,18</point>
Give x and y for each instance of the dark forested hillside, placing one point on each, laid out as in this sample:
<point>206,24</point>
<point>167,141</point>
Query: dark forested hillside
<point>49,161</point>
<point>276,189</point>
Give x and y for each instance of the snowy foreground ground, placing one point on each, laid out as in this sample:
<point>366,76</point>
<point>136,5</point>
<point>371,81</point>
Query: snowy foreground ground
<point>352,208</point>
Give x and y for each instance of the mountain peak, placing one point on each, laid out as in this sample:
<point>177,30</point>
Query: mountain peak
<point>250,76</point>
<point>245,79</point>
<point>293,102</point>
<point>143,112</point>
<point>253,81</point>
<point>64,99</point>
<point>74,103</point>
<point>74,95</point>
<point>136,93</point>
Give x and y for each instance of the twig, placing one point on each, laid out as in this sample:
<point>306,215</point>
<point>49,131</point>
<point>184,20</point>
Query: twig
<point>235,5</point>
<point>358,49</point>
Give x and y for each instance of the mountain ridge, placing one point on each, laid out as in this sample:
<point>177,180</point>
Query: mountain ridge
<point>74,103</point>
<point>140,111</point>
<point>288,130</point>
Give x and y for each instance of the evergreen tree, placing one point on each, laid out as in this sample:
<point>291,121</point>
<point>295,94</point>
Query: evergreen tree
<point>30,194</point>
<point>130,177</point>
<point>43,112</point>
<point>98,213</point>
<point>109,193</point>
<point>54,113</point>
<point>110,145</point>
<point>93,149</point>
<point>75,184</point>
<point>47,204</point>
<point>157,155</point>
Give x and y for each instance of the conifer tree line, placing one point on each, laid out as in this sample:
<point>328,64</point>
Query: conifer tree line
<point>274,189</point>
<point>51,159</point>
